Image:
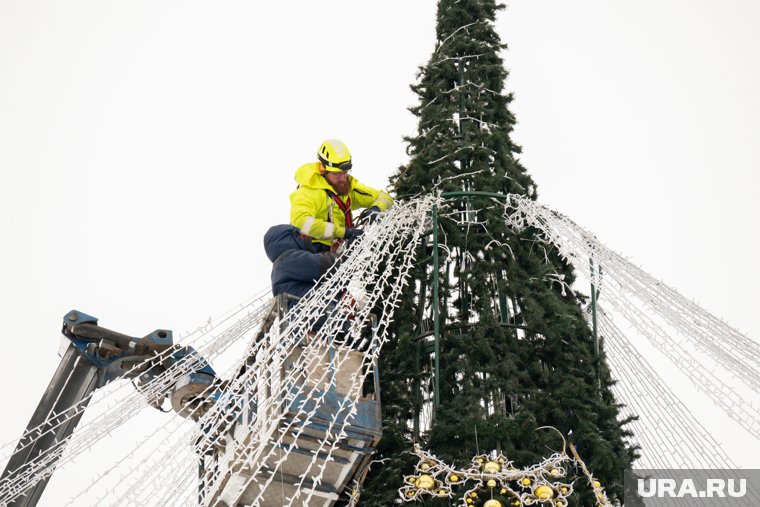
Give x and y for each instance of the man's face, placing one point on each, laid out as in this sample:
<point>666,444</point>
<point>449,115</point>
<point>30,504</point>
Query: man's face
<point>339,181</point>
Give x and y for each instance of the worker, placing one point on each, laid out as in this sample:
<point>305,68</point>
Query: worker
<point>326,195</point>
<point>296,265</point>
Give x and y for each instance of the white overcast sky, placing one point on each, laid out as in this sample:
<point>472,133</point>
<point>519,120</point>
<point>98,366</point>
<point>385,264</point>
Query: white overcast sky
<point>145,146</point>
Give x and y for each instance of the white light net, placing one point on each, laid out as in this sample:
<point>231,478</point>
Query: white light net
<point>718,360</point>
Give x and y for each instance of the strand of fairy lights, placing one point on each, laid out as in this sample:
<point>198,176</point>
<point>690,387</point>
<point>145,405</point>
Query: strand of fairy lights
<point>649,396</point>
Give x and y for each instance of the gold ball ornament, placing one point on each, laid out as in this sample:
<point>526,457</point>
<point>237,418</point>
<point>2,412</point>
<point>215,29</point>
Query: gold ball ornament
<point>555,472</point>
<point>492,503</point>
<point>453,478</point>
<point>564,490</point>
<point>424,482</point>
<point>525,481</point>
<point>503,491</point>
<point>492,467</point>
<point>491,483</point>
<point>544,492</point>
<point>425,466</point>
<point>597,484</point>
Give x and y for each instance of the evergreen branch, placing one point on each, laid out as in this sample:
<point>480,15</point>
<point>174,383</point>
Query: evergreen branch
<point>483,87</point>
<point>440,45</point>
<point>457,58</point>
<point>468,147</point>
<point>481,122</point>
<point>458,176</point>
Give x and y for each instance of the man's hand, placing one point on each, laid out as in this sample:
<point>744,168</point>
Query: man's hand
<point>352,233</point>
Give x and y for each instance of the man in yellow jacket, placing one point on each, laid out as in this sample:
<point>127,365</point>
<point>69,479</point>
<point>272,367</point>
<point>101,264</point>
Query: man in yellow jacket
<point>321,206</point>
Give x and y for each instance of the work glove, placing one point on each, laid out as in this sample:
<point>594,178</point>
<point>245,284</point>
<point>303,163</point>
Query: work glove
<point>352,233</point>
<point>373,214</point>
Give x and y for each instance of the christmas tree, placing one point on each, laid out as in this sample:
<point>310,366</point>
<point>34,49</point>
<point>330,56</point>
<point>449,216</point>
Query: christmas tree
<point>490,343</point>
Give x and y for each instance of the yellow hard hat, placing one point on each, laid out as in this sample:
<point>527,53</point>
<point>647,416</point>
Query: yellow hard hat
<point>334,155</point>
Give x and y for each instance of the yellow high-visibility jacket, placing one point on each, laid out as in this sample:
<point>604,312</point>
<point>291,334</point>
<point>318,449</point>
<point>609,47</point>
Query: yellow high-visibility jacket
<point>315,213</point>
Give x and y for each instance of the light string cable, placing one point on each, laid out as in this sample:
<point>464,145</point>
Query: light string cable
<point>670,435</point>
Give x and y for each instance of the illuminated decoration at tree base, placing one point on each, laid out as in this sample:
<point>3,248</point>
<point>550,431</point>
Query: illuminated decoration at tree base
<point>492,480</point>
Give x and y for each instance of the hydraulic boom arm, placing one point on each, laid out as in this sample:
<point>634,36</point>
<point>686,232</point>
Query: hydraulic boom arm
<point>95,356</point>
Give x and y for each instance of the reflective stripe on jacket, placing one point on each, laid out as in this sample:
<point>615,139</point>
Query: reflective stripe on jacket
<point>316,214</point>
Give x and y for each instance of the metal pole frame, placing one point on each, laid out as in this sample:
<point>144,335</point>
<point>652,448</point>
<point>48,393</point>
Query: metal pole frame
<point>436,316</point>
<point>594,327</point>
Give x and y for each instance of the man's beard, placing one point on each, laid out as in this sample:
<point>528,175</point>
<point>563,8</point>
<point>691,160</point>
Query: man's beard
<point>342,188</point>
